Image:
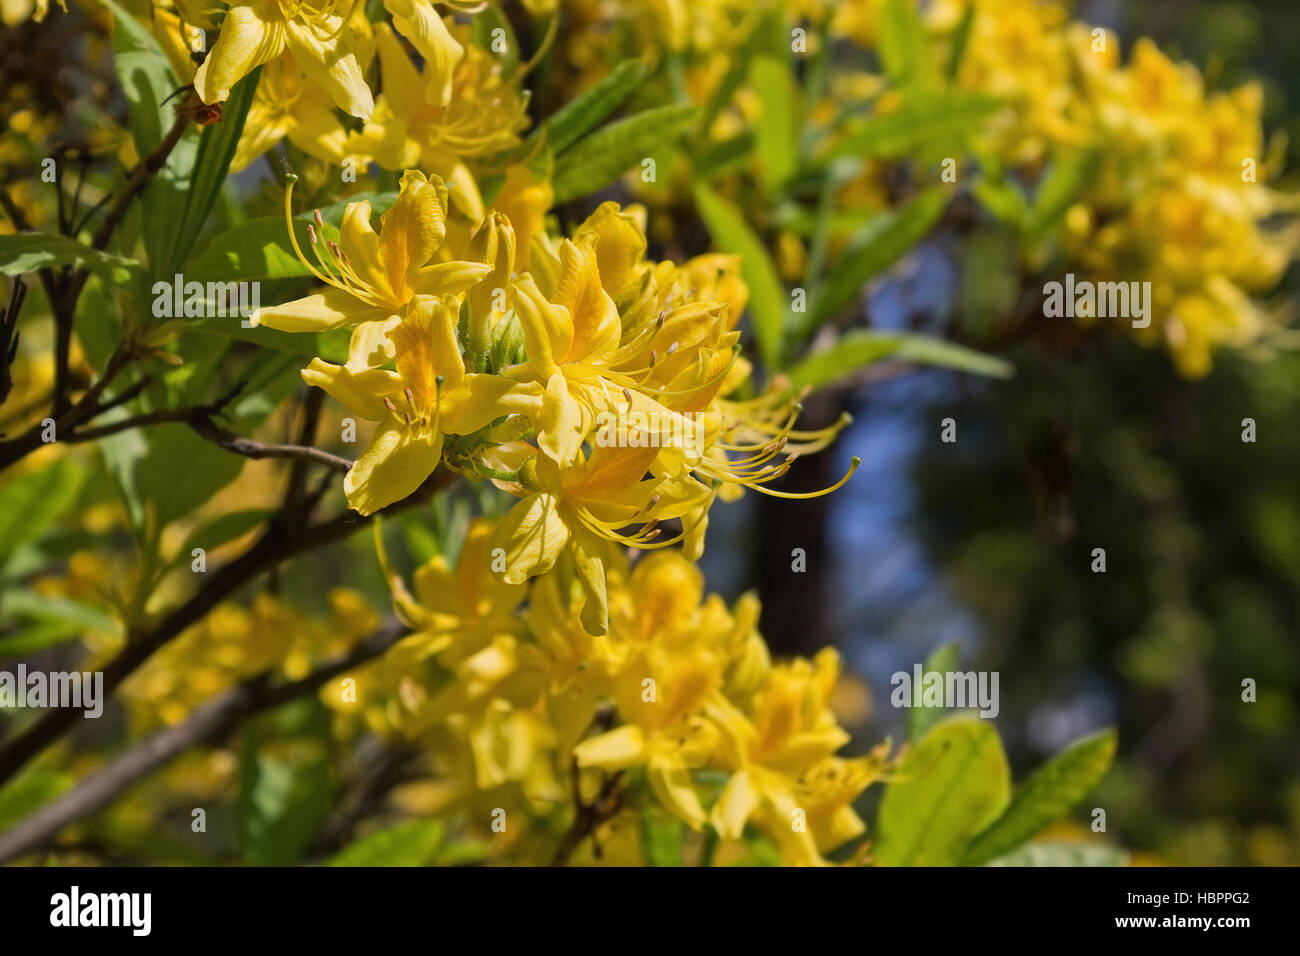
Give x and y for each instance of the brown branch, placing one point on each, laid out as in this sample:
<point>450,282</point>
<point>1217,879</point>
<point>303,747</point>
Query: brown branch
<point>588,816</point>
<point>65,304</point>
<point>207,724</point>
<point>276,545</point>
<point>256,449</point>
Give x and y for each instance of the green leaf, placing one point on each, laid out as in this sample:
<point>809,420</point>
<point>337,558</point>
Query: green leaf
<point>767,299</point>
<point>146,76</point>
<point>37,637</point>
<point>713,159</point>
<point>1050,792</point>
<point>414,843</point>
<point>904,49</point>
<point>29,793</point>
<point>942,660</point>
<point>148,82</point>
<point>606,154</point>
<point>260,248</point>
<point>960,38</point>
<point>29,251</point>
<point>858,348</point>
<point>662,838</point>
<point>874,249</point>
<point>280,806</point>
<point>1070,174</point>
<point>32,502</point>
<point>1063,854</point>
<point>584,112</point>
<point>1004,199</point>
<point>924,121</point>
<point>949,787</point>
<point>168,467</point>
<point>777,129</point>
<point>43,607</point>
<point>215,151</point>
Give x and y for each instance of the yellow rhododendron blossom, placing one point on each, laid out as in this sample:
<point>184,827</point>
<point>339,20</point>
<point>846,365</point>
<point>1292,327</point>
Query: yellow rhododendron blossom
<point>318,38</point>
<point>373,275</point>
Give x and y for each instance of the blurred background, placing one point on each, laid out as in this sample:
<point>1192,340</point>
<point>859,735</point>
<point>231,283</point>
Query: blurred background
<point>988,541</point>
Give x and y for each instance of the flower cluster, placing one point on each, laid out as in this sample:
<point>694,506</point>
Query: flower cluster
<point>1180,197</point>
<point>507,687</point>
<point>515,378</point>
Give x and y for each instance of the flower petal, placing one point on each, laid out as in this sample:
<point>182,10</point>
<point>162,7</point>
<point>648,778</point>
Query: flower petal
<point>251,34</point>
<point>738,800</point>
<point>360,391</point>
<point>327,59</point>
<point>532,535</point>
<point>392,467</point>
<point>419,22</point>
<point>616,749</point>
<point>328,309</point>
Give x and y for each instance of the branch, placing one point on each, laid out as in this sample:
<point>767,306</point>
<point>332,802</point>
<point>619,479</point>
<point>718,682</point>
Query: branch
<point>277,544</point>
<point>207,724</point>
<point>249,448</point>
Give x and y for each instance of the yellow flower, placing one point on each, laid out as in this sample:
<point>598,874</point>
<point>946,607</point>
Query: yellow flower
<point>409,128</point>
<point>428,396</point>
<point>458,612</point>
<point>580,509</point>
<point>784,772</point>
<point>370,275</point>
<point>288,104</point>
<point>319,39</point>
<point>569,334</point>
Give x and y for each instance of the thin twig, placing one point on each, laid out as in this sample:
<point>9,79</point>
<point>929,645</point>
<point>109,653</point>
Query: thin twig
<point>276,545</point>
<point>209,723</point>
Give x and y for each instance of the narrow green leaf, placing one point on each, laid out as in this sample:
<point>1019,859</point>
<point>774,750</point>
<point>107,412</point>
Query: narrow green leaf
<point>414,843</point>
<point>146,76</point>
<point>858,348</point>
<point>960,38</point>
<point>949,787</point>
<point>32,502</point>
<point>716,158</point>
<point>42,607</point>
<point>767,299</point>
<point>215,151</point>
<point>1070,174</point>
<point>38,636</point>
<point>28,251</point>
<point>942,660</point>
<point>260,248</point>
<point>876,248</point>
<point>777,128</point>
<point>605,155</point>
<point>1004,199</point>
<point>1050,792</point>
<point>583,113</point>
<point>924,121</point>
<point>904,49</point>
